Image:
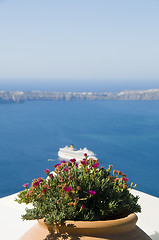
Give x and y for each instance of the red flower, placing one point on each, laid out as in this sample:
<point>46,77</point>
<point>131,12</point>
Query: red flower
<point>73,160</point>
<point>82,207</point>
<point>91,192</point>
<point>25,185</point>
<point>47,171</point>
<point>67,189</point>
<point>85,154</point>
<point>43,191</point>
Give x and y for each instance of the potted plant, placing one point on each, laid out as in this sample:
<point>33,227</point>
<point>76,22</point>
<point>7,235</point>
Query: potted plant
<point>83,200</point>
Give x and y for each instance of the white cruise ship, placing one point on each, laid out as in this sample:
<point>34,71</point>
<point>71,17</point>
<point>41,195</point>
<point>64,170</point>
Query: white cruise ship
<point>68,153</point>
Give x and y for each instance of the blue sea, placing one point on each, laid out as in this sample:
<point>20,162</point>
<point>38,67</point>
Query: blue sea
<point>122,133</point>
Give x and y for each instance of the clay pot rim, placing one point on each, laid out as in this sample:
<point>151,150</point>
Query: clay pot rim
<point>128,231</point>
<point>131,219</point>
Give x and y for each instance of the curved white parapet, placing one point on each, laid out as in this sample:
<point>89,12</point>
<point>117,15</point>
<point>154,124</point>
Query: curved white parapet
<point>12,227</point>
<point>68,153</point>
<point>148,219</point>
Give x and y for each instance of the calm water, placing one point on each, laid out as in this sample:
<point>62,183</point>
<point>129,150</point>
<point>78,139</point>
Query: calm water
<point>122,133</point>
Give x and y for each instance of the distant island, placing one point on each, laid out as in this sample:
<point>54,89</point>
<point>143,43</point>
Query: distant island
<point>22,96</point>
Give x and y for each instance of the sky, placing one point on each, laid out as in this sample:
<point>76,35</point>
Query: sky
<point>85,45</point>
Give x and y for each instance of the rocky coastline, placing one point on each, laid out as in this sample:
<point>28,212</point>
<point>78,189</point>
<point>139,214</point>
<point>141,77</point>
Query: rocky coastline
<point>22,96</point>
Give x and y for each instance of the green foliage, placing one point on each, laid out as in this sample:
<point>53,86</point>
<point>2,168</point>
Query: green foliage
<point>79,192</point>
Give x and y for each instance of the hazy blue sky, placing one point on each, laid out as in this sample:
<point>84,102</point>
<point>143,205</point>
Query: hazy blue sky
<point>93,43</point>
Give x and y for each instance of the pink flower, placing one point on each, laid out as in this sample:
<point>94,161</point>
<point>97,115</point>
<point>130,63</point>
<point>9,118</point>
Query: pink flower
<point>95,165</point>
<point>82,207</point>
<point>67,189</point>
<point>125,179</point>
<point>47,171</point>
<point>57,165</point>
<point>84,162</point>
<point>66,169</point>
<point>25,185</point>
<point>91,192</point>
<point>73,160</point>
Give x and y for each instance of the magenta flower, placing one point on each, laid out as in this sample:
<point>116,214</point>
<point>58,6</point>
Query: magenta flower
<point>57,165</point>
<point>84,162</point>
<point>91,192</point>
<point>125,179</point>
<point>63,161</point>
<point>73,160</point>
<point>85,154</point>
<point>76,164</point>
<point>25,185</point>
<point>39,179</point>
<point>66,169</point>
<point>67,189</point>
<point>95,165</point>
<point>36,183</point>
<point>51,175</point>
<point>82,207</point>
<point>47,171</point>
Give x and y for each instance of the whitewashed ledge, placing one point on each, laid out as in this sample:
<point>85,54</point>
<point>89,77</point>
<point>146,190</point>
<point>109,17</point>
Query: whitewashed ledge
<point>12,227</point>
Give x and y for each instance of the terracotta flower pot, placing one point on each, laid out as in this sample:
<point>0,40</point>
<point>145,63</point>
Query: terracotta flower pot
<point>120,229</point>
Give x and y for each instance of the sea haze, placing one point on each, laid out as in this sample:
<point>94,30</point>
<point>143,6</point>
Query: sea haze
<point>122,133</point>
